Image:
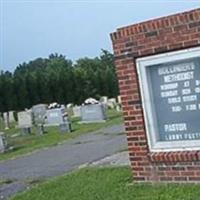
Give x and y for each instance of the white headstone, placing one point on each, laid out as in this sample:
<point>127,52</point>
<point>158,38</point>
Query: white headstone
<point>6,120</point>
<point>11,116</point>
<point>77,111</point>
<point>1,123</point>
<point>69,105</point>
<point>24,119</point>
<point>118,108</point>
<point>104,99</point>
<point>112,100</point>
<point>119,99</point>
<point>112,103</point>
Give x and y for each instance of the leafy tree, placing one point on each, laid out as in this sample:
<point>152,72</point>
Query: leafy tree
<point>57,79</point>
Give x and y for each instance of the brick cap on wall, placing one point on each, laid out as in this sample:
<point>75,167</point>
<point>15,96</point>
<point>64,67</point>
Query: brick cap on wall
<point>151,26</point>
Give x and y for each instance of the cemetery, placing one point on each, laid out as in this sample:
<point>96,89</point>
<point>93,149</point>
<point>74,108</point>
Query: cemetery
<point>63,123</point>
<point>92,111</point>
<point>44,126</point>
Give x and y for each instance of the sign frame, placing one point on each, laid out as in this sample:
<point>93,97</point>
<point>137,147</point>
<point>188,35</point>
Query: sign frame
<point>150,125</point>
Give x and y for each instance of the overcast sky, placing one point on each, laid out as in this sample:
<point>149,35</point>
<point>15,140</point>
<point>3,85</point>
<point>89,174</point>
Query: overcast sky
<point>36,28</point>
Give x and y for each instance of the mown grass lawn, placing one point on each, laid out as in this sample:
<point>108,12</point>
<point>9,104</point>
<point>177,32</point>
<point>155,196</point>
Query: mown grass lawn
<point>25,144</point>
<point>107,184</point>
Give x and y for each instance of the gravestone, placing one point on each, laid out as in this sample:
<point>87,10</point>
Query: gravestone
<point>111,103</point>
<point>76,111</point>
<point>1,122</point>
<point>39,113</point>
<point>93,113</point>
<point>55,117</point>
<point>119,100</point>
<point>118,108</point>
<point>69,109</point>
<point>6,120</point>
<point>25,121</point>
<point>65,127</point>
<point>104,99</point>
<point>11,116</point>
<point>58,117</point>
<point>3,142</point>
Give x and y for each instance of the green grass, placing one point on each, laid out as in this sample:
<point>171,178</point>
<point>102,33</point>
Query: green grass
<point>26,144</point>
<point>107,184</point>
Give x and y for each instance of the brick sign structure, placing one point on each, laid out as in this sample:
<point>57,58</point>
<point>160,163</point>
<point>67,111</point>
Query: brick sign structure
<point>158,68</point>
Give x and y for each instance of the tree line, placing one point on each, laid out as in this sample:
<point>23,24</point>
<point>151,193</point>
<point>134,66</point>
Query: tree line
<point>57,79</point>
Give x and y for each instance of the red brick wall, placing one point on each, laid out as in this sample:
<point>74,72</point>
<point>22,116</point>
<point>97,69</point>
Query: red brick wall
<point>156,36</point>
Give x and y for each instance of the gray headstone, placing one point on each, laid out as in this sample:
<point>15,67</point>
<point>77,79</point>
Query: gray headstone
<point>40,129</point>
<point>39,113</point>
<point>93,113</point>
<point>26,131</point>
<point>1,123</point>
<point>65,127</point>
<point>3,142</point>
<point>56,117</point>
